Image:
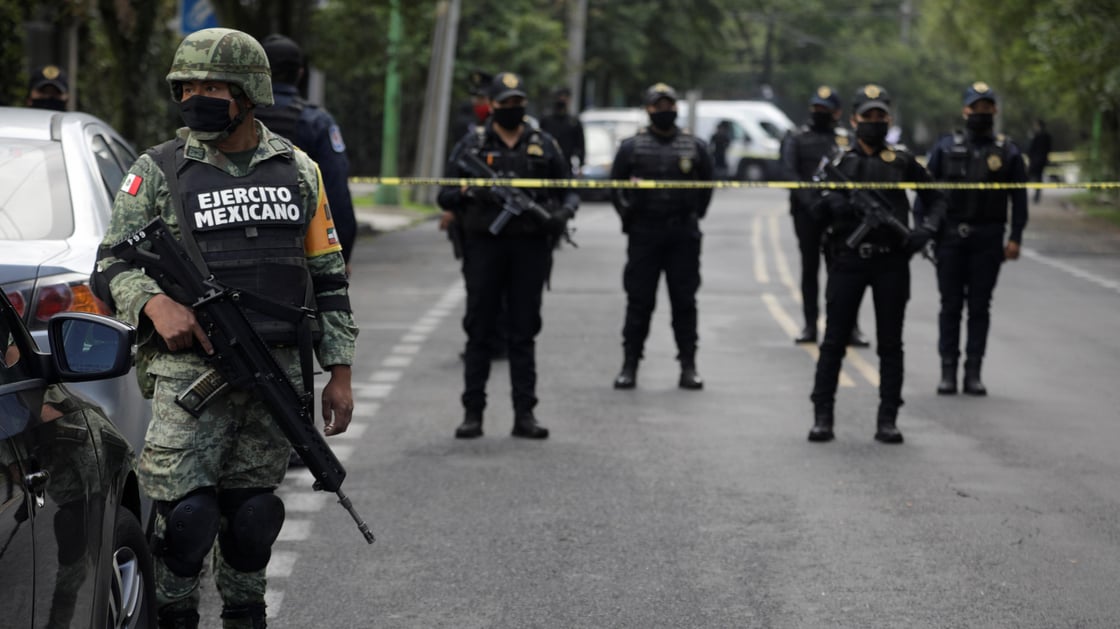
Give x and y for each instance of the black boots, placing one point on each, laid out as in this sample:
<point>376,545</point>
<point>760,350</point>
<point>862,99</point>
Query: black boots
<point>525,426</point>
<point>886,431</point>
<point>471,428</point>
<point>972,383</point>
<point>857,339</point>
<point>690,379</point>
<point>250,616</point>
<point>177,618</point>
<point>627,378</point>
<point>948,384</point>
<point>808,335</point>
<point>822,425</point>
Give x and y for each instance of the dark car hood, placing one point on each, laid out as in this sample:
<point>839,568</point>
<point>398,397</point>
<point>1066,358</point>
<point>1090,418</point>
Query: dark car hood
<point>21,260</point>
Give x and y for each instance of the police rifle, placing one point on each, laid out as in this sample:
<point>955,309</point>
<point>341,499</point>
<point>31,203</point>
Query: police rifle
<point>874,211</point>
<point>514,200</point>
<point>240,356</point>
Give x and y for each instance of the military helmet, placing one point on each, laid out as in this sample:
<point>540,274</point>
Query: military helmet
<point>223,54</point>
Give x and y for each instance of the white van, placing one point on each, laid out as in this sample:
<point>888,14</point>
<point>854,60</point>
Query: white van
<point>757,129</point>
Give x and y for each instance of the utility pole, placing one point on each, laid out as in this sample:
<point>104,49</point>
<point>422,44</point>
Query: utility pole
<point>432,149</point>
<point>577,35</point>
<point>390,129</point>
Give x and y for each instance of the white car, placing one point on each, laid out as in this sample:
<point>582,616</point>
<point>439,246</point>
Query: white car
<point>757,130</point>
<point>59,174</point>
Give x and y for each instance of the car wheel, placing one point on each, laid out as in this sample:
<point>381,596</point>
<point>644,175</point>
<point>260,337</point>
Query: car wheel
<point>132,594</point>
<point>751,171</point>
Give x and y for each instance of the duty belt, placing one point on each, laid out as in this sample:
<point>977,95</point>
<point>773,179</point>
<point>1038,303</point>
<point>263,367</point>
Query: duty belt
<point>867,250</point>
<point>964,230</point>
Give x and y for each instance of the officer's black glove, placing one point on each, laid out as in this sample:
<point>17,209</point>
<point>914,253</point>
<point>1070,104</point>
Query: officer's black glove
<point>558,221</point>
<point>917,240</point>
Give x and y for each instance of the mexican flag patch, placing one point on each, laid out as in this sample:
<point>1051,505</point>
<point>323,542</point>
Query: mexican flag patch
<point>131,184</point>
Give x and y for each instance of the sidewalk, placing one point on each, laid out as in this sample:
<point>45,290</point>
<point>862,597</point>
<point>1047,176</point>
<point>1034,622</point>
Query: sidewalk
<point>375,219</point>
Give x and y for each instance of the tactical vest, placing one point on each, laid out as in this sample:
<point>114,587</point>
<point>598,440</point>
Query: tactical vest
<point>250,234</point>
<point>530,161</point>
<point>966,161</point>
<point>282,120</point>
<point>657,160</point>
<point>812,145</point>
<point>888,165</point>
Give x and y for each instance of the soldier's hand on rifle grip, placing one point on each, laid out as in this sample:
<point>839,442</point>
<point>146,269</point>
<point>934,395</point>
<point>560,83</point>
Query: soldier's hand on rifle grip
<point>918,239</point>
<point>338,401</point>
<point>176,324</point>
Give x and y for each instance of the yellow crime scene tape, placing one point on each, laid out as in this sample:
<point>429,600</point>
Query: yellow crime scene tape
<point>694,185</point>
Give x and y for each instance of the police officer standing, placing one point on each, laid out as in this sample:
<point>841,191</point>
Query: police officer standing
<point>213,476</point>
<point>313,130</point>
<point>970,247</point>
<point>664,232</point>
<point>514,263</point>
<point>801,156</point>
<point>566,128</point>
<point>48,88</point>
<point>881,261</point>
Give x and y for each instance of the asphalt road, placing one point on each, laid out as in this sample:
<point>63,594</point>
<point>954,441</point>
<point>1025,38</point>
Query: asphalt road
<point>668,508</point>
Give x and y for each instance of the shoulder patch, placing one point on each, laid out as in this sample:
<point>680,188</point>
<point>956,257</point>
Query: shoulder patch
<point>336,139</point>
<point>131,184</point>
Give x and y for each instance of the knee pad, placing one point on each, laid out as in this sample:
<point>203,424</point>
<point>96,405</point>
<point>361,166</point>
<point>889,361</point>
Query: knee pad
<point>190,525</point>
<point>253,520</point>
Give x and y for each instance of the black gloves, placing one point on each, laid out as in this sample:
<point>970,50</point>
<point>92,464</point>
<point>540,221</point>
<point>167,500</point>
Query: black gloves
<point>558,221</point>
<point>917,240</point>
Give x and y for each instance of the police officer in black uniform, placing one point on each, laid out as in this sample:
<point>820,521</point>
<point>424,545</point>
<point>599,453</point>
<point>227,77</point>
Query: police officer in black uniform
<point>881,261</point>
<point>566,128</point>
<point>312,129</point>
<point>801,156</point>
<point>664,230</point>
<point>970,247</point>
<point>516,262</point>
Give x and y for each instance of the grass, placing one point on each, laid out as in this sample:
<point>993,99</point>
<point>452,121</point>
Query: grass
<point>1104,206</point>
<point>405,201</point>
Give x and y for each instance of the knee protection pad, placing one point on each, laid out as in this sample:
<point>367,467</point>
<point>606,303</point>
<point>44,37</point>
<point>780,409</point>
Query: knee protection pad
<point>190,525</point>
<point>253,520</point>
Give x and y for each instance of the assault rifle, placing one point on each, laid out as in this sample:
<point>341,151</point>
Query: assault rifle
<point>240,356</point>
<point>873,209</point>
<point>514,201</point>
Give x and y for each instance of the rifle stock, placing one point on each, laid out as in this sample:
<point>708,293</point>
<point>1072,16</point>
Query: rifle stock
<point>240,356</point>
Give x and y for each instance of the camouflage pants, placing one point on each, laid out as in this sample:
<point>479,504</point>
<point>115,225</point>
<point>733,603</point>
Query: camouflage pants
<point>234,444</point>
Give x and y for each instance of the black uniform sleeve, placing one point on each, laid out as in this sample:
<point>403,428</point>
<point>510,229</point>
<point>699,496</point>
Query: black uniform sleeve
<point>1018,196</point>
<point>933,165</point>
<point>705,171</point>
<point>620,170</point>
<point>451,197</point>
<point>933,202</point>
<point>558,168</point>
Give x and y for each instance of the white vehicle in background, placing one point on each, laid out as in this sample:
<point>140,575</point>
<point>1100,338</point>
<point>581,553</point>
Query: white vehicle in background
<point>757,130</point>
<point>604,129</point>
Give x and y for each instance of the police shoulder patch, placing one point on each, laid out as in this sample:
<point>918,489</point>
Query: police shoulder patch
<point>887,155</point>
<point>336,139</point>
<point>994,162</point>
<point>536,150</point>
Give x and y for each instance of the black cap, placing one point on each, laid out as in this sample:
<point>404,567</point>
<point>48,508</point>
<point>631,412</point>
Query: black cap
<point>978,91</point>
<point>506,85</point>
<point>826,97</point>
<point>49,75</point>
<point>870,97</point>
<point>657,91</point>
<point>281,51</point>
<point>479,82</point>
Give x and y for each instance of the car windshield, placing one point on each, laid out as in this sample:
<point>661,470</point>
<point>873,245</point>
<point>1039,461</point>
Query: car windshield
<point>34,195</point>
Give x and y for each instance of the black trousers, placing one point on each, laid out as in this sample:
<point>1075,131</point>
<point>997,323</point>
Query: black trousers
<point>888,276</point>
<point>967,269</point>
<point>672,248</point>
<point>809,240</point>
<point>513,269</point>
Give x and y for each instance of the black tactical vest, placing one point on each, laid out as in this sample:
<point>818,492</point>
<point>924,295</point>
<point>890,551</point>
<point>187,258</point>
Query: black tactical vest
<point>658,160</point>
<point>812,145</point>
<point>529,160</point>
<point>986,162</point>
<point>282,120</point>
<point>250,233</point>
<point>889,165</point>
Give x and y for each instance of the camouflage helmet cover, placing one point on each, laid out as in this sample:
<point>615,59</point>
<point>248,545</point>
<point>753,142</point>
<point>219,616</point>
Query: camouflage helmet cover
<point>223,54</point>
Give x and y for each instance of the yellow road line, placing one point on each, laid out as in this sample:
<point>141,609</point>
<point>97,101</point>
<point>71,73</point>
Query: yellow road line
<point>781,264</point>
<point>786,323</point>
<point>761,275</point>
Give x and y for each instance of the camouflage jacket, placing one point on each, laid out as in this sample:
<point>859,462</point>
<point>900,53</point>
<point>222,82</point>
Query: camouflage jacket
<point>138,203</point>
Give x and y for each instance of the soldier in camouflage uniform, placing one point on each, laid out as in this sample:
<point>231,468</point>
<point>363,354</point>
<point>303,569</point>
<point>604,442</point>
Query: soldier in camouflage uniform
<point>251,208</point>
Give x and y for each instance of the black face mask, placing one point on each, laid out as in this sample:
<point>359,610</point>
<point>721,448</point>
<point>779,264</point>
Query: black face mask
<point>980,124</point>
<point>57,104</point>
<point>508,118</point>
<point>206,114</point>
<point>663,120</point>
<point>560,108</point>
<point>873,134</point>
<point>821,119</point>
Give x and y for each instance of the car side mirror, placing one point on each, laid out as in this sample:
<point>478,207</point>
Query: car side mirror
<point>87,346</point>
